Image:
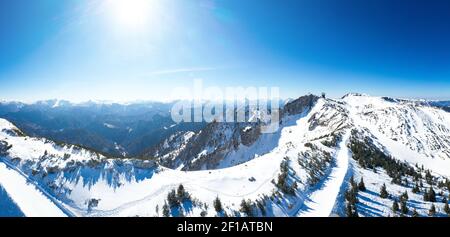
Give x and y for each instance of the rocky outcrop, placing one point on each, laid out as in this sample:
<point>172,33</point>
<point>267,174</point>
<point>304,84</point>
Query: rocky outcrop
<point>300,105</point>
<point>207,148</point>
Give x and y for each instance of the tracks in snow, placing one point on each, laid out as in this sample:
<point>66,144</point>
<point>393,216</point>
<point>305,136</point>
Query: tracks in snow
<point>320,203</point>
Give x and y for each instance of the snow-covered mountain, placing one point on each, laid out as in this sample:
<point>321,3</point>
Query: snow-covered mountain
<point>222,145</point>
<point>312,166</point>
<point>116,129</point>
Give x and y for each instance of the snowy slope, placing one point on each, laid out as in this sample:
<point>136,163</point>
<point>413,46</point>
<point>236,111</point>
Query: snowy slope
<point>301,170</point>
<point>31,200</point>
<point>321,202</point>
<point>232,184</point>
<point>410,132</point>
<point>8,208</point>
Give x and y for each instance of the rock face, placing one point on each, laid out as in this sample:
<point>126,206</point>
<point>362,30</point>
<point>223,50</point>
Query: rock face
<point>208,148</point>
<point>249,135</point>
<point>298,106</point>
<point>4,147</point>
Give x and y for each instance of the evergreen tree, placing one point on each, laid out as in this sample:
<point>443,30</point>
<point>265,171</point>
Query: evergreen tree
<point>404,196</point>
<point>166,210</point>
<point>353,183</point>
<point>416,189</point>
<point>218,204</point>
<point>172,199</point>
<point>395,206</point>
<point>355,211</point>
<point>404,207</point>
<point>246,207</point>
<point>426,196</point>
<point>447,209</point>
<point>383,192</point>
<point>351,210</point>
<point>406,182</point>
<point>432,210</point>
<point>182,194</point>
<point>429,177</point>
<point>294,186</point>
<point>361,185</point>
<point>431,195</point>
<point>351,196</point>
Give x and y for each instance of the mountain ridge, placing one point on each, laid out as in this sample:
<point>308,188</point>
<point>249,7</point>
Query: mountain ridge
<point>399,144</point>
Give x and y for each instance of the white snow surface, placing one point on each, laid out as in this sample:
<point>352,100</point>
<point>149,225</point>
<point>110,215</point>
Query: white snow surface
<point>321,202</point>
<point>411,133</point>
<point>31,201</point>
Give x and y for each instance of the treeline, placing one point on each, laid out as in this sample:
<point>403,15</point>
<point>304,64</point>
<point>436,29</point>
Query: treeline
<point>282,181</point>
<point>370,157</point>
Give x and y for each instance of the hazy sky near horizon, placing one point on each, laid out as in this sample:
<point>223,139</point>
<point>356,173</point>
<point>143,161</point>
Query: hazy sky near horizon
<point>141,49</point>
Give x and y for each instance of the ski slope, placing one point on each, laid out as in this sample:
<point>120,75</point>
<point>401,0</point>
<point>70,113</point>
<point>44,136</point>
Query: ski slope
<point>321,202</point>
<point>31,201</point>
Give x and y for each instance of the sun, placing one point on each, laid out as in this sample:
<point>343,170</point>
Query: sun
<point>131,14</point>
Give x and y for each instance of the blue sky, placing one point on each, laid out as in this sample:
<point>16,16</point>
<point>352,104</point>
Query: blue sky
<point>142,49</point>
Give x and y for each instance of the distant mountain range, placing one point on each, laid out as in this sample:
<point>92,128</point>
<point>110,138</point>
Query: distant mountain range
<point>120,130</point>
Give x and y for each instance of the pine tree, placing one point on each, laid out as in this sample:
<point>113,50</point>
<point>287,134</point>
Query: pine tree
<point>404,196</point>
<point>351,210</point>
<point>395,206</point>
<point>294,186</point>
<point>351,196</point>
<point>404,207</point>
<point>355,211</point>
<point>429,177</point>
<point>416,189</point>
<point>246,207</point>
<point>352,181</point>
<point>182,195</point>
<point>361,185</point>
<point>383,192</point>
<point>431,195</point>
<point>447,209</point>
<point>432,210</point>
<point>406,182</point>
<point>172,199</point>
<point>426,196</point>
<point>166,210</point>
<point>218,204</point>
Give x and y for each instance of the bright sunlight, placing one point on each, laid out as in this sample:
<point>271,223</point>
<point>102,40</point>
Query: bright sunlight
<point>132,14</point>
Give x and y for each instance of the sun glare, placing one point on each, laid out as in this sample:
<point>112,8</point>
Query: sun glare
<point>131,14</point>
